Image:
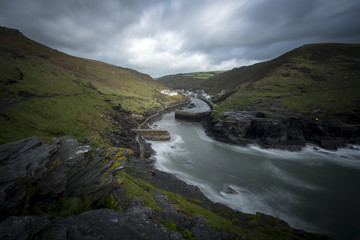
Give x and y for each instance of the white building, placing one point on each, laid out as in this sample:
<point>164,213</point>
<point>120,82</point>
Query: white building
<point>169,93</point>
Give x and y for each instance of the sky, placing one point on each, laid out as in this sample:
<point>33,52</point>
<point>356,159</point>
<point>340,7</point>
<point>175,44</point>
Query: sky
<point>160,37</point>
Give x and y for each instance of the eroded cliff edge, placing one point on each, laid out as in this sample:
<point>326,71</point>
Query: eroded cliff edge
<point>274,130</point>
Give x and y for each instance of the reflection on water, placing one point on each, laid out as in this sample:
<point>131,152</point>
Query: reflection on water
<point>313,189</point>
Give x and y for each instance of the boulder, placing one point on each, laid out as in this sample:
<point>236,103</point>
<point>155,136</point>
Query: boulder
<point>229,190</point>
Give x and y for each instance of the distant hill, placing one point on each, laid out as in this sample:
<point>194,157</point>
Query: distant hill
<point>189,81</point>
<point>48,93</point>
<point>316,79</point>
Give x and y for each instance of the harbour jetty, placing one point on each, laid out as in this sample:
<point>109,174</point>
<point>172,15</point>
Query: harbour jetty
<point>153,134</point>
<point>194,116</point>
<point>208,102</point>
<point>191,116</point>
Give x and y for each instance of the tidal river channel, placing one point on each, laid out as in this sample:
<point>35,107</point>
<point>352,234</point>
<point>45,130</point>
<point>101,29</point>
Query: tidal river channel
<point>314,190</point>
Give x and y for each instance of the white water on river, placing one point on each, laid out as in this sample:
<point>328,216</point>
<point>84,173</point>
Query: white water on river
<point>314,189</point>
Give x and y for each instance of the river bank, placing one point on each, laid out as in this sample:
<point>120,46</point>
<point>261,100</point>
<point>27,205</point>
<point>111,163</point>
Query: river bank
<point>274,130</point>
<point>295,186</point>
<point>62,189</point>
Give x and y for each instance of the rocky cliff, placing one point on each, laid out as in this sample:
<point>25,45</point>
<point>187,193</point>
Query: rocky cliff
<point>61,189</point>
<point>35,174</point>
<point>273,130</point>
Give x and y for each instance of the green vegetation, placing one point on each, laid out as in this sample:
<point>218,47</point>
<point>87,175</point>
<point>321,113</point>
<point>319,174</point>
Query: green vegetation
<point>111,203</point>
<point>48,93</point>
<point>71,206</point>
<point>189,81</point>
<point>241,225</point>
<point>168,224</point>
<point>172,226</point>
<point>186,233</point>
<point>202,75</point>
<point>317,80</point>
<point>63,207</point>
<point>138,188</point>
<point>191,210</point>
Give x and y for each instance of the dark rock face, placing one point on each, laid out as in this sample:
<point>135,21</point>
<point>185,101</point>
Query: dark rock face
<point>146,171</point>
<point>246,127</point>
<point>37,173</point>
<point>34,173</point>
<point>229,190</point>
<point>190,116</point>
<point>198,227</point>
<point>134,223</point>
<point>125,138</point>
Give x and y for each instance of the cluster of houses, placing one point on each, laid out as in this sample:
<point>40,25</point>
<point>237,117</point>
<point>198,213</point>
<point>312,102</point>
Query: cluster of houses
<point>197,93</point>
<point>169,92</point>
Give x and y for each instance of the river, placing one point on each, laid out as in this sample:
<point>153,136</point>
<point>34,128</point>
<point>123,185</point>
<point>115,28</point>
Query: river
<point>314,189</point>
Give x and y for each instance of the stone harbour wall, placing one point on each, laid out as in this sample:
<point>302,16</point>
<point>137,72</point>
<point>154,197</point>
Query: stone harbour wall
<point>153,134</point>
<point>190,116</point>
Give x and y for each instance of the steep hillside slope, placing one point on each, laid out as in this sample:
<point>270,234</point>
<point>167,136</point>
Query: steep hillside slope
<point>317,79</point>
<point>308,95</point>
<point>48,93</point>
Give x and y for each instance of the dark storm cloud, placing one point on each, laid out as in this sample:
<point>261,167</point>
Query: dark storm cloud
<point>70,23</point>
<point>168,36</point>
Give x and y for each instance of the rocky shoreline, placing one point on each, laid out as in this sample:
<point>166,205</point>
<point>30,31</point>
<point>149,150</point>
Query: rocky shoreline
<point>273,130</point>
<point>269,129</point>
<point>61,189</point>
<point>38,176</point>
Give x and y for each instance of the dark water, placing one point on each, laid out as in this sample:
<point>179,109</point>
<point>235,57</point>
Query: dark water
<point>315,190</point>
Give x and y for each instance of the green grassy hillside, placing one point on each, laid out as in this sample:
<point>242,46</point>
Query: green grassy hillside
<point>315,80</point>
<point>189,81</point>
<point>48,93</point>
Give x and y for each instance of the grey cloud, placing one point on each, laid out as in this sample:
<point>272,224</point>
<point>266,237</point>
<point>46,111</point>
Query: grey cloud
<point>168,36</point>
<point>61,22</point>
<point>290,20</point>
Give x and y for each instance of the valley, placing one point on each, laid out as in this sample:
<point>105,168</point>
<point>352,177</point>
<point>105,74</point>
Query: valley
<point>73,165</point>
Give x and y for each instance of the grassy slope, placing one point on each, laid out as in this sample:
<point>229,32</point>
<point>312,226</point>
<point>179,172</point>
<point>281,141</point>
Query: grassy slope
<point>317,79</point>
<point>48,93</point>
<point>187,80</point>
<point>241,225</point>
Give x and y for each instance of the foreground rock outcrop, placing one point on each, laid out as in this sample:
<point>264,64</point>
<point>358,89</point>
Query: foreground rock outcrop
<point>96,224</point>
<point>38,179</point>
<point>61,189</point>
<point>270,130</point>
<point>34,174</point>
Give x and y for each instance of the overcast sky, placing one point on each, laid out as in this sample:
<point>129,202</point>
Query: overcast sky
<point>161,37</point>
